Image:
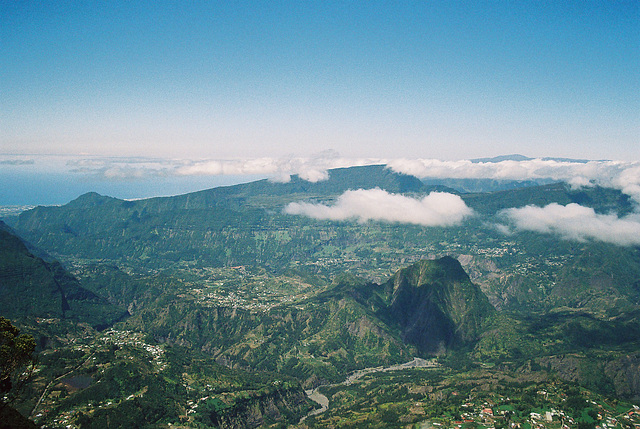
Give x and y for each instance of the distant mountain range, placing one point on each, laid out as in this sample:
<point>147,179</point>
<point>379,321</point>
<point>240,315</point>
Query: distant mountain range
<point>517,157</point>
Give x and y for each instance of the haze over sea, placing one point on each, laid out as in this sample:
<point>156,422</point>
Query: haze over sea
<point>33,185</point>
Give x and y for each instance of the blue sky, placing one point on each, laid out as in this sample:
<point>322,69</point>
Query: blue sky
<point>432,79</point>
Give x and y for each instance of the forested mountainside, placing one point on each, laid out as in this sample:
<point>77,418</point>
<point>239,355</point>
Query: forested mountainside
<point>316,341</point>
<point>246,225</point>
<point>218,308</point>
<point>34,287</point>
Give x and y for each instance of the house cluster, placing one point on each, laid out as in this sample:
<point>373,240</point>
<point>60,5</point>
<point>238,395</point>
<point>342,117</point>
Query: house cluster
<point>500,412</point>
<point>136,339</point>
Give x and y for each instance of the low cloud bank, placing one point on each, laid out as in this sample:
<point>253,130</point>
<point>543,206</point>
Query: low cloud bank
<point>575,222</point>
<point>278,170</point>
<point>17,162</point>
<point>436,209</point>
<point>621,175</point>
<point>118,168</point>
<point>312,169</point>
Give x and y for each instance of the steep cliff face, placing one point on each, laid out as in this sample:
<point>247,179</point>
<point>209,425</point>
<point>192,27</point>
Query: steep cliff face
<point>436,305</point>
<point>625,374</point>
<point>279,405</point>
<point>615,375</point>
<point>30,286</point>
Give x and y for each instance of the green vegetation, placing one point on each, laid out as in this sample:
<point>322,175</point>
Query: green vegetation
<point>32,286</point>
<point>16,354</point>
<point>216,308</point>
<point>478,398</point>
<point>16,365</point>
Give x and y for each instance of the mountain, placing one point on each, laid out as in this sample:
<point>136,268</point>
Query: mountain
<point>317,340</point>
<point>436,305</point>
<point>430,308</point>
<point>602,200</point>
<point>514,157</point>
<point>601,277</point>
<point>157,232</point>
<point>111,364</point>
<point>32,287</point>
<point>468,186</point>
<point>432,304</point>
<point>517,157</point>
<point>234,306</point>
<point>238,196</point>
<point>245,224</point>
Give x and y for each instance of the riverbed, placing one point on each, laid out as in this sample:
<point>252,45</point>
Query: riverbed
<point>323,401</point>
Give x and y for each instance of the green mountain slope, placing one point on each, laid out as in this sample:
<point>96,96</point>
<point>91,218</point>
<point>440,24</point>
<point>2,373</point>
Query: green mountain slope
<point>232,223</point>
<point>436,305</point>
<point>339,181</point>
<point>429,308</point>
<point>316,341</point>
<point>31,287</point>
<point>245,225</point>
<point>602,200</point>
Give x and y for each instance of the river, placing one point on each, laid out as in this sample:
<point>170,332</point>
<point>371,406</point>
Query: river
<point>321,399</point>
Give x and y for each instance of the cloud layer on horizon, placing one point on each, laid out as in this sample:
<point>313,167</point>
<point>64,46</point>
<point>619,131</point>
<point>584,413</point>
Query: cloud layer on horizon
<point>571,222</point>
<point>435,209</point>
<point>621,175</point>
<point>574,222</point>
<point>313,169</point>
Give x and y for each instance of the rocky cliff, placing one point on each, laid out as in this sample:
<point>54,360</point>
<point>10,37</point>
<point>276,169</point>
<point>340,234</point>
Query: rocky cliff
<point>281,404</point>
<point>436,305</point>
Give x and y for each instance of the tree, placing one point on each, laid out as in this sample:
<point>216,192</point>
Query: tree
<point>15,355</point>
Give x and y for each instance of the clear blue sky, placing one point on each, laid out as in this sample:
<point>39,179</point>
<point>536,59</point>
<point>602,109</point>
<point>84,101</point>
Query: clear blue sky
<point>220,79</point>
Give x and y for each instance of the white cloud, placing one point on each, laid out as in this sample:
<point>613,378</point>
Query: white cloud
<point>122,168</point>
<point>312,169</point>
<point>260,166</point>
<point>314,175</point>
<point>621,175</point>
<point>628,181</point>
<point>436,209</point>
<point>576,222</point>
<point>17,161</point>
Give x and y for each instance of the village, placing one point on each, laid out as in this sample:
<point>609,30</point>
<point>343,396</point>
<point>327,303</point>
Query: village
<point>504,412</point>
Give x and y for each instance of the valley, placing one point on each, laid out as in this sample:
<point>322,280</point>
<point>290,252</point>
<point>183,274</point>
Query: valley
<point>323,401</point>
<point>220,309</point>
